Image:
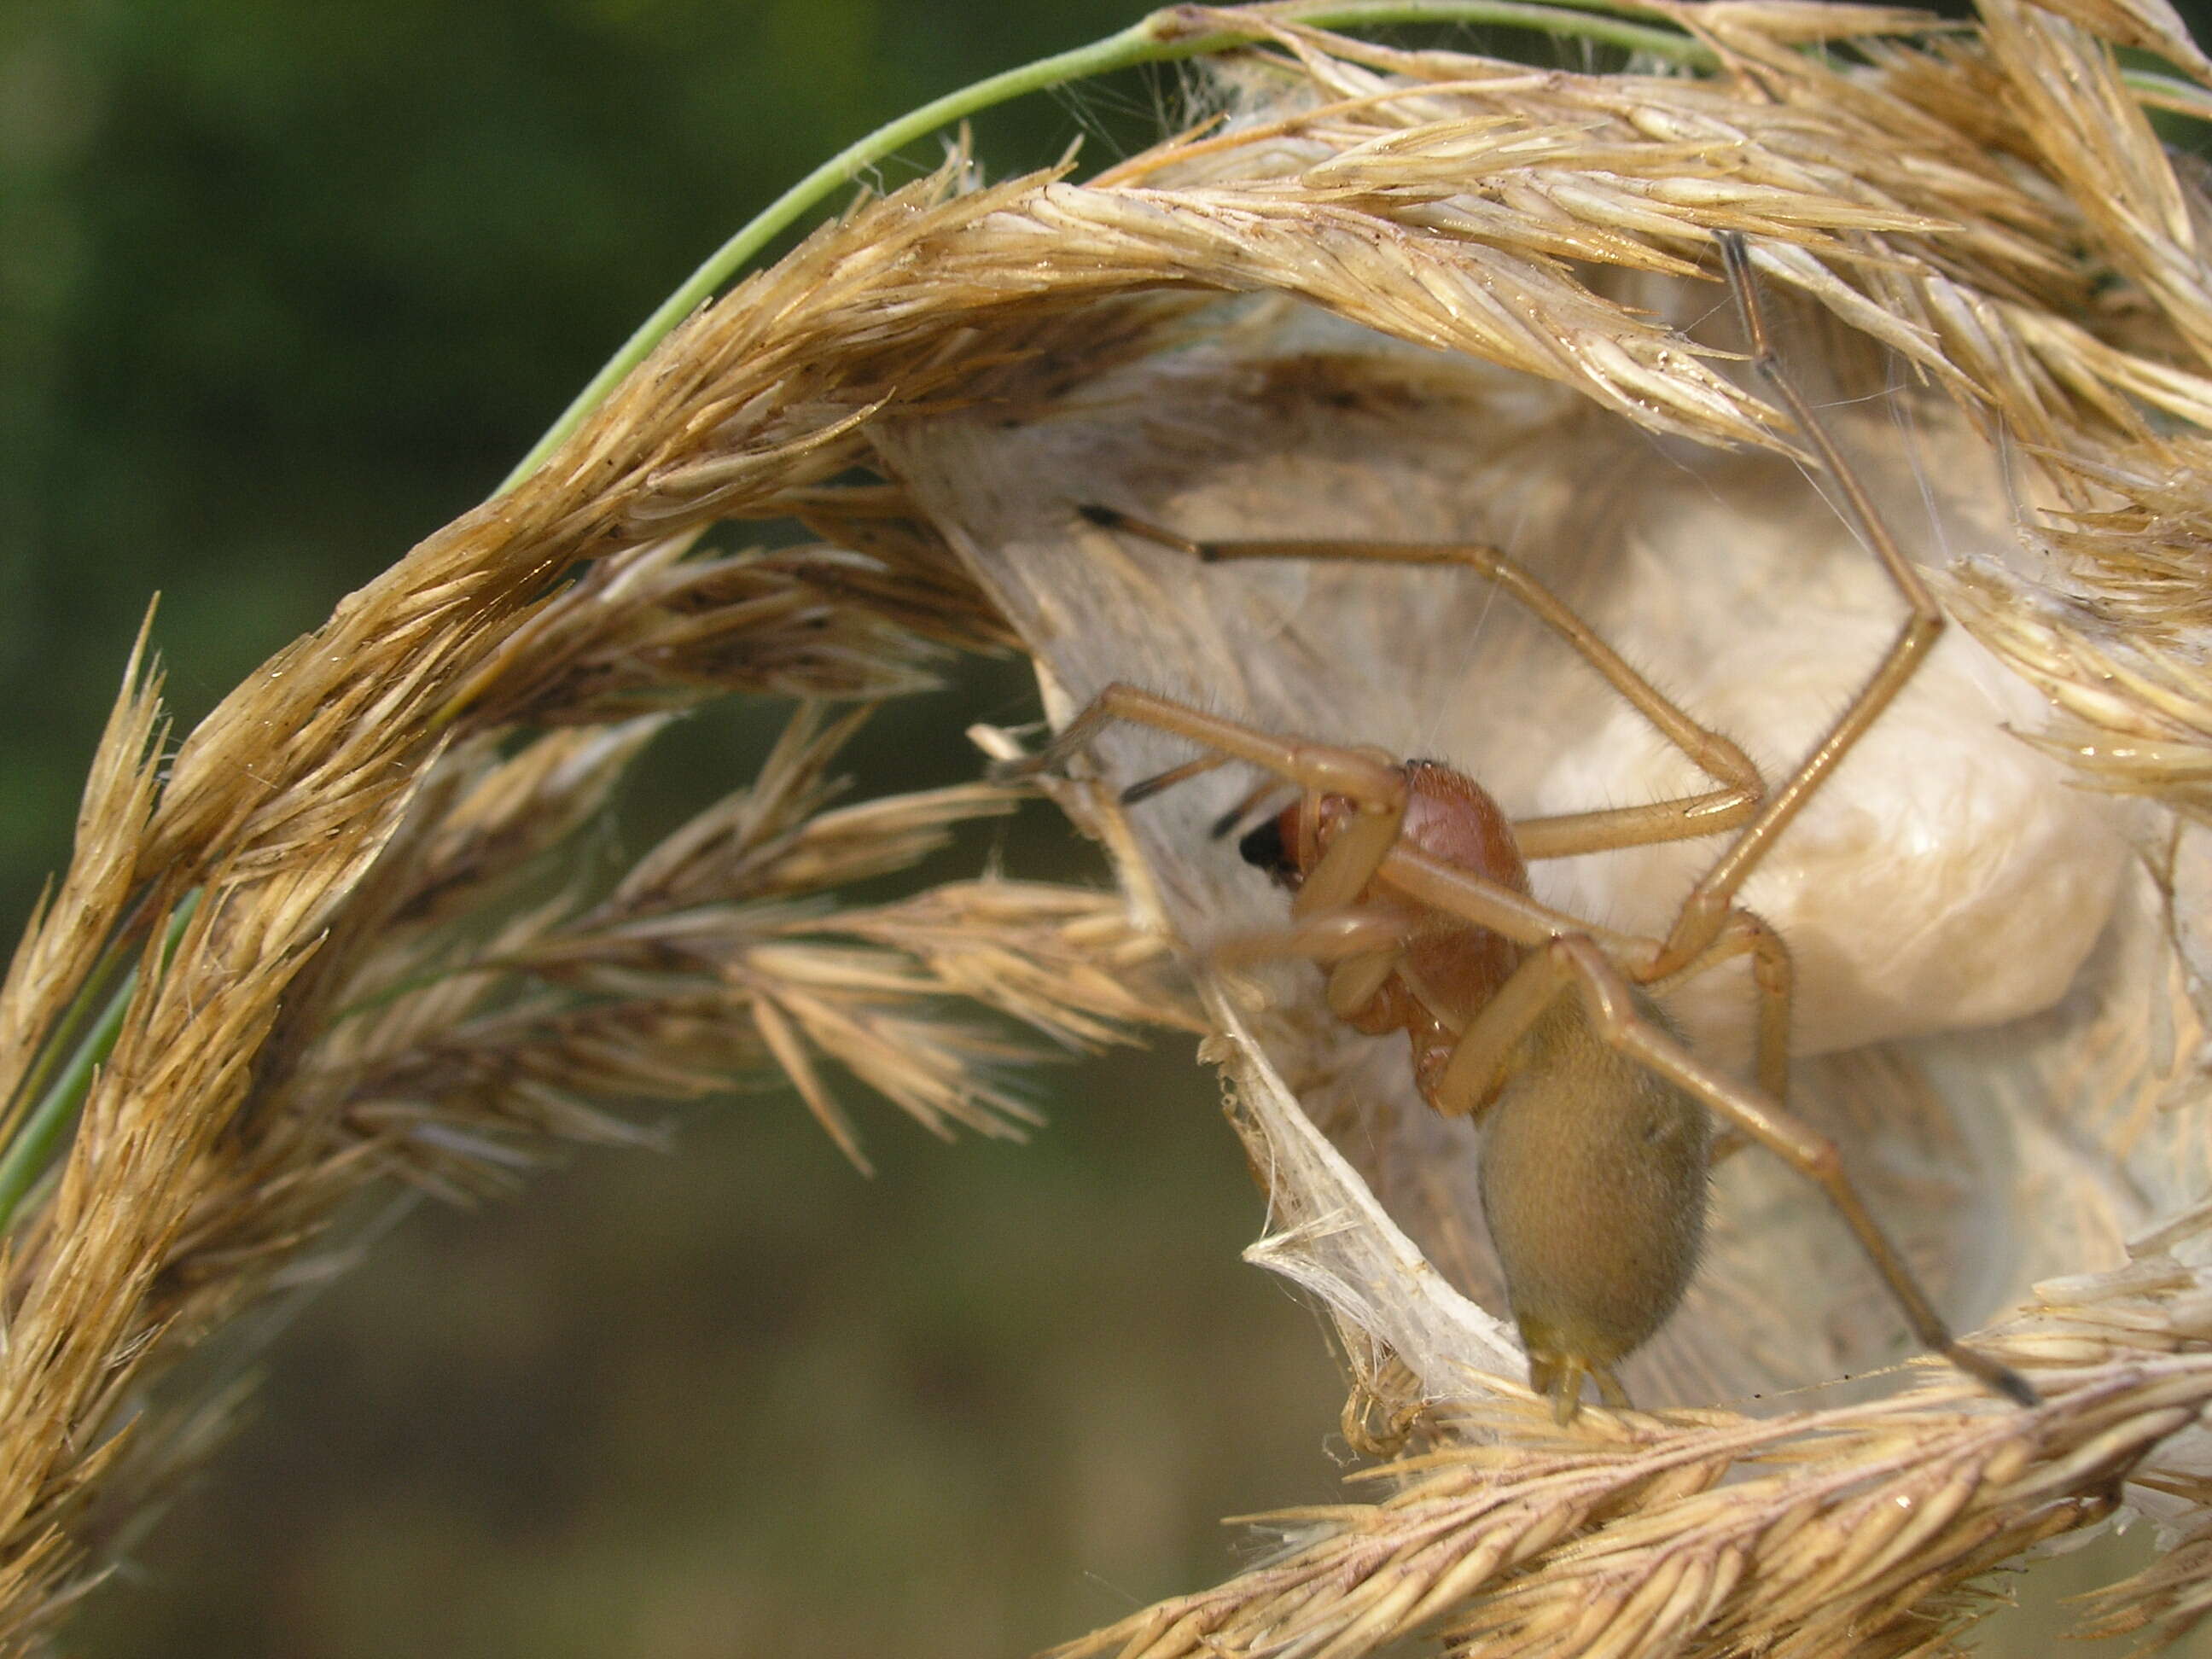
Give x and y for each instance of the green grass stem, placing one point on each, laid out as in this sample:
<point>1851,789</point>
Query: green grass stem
<point>1163,36</point>
<point>32,1147</point>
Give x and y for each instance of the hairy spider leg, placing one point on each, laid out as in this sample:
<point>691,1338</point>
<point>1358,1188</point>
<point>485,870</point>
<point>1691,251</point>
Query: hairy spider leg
<point>1564,835</point>
<point>1704,912</point>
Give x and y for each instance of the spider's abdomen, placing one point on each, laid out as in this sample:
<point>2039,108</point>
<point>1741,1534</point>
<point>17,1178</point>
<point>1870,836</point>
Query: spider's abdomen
<point>1593,1177</point>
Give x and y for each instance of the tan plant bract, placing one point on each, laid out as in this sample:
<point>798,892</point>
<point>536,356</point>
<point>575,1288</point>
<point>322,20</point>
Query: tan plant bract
<point>393,972</point>
<point>62,941</point>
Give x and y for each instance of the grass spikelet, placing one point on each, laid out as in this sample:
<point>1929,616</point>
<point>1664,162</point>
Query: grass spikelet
<point>1390,291</point>
<point>652,628</point>
<point>342,1007</point>
<point>55,960</point>
<point>1834,1530</point>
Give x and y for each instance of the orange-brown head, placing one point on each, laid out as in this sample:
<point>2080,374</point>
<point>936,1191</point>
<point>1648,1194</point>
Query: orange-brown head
<point>1449,816</point>
<point>1452,967</point>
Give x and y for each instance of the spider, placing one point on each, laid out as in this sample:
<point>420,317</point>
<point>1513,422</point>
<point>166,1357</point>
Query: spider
<point>1411,889</point>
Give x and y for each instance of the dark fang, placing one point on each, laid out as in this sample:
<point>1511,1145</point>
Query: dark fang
<point>1264,848</point>
<point>1105,517</point>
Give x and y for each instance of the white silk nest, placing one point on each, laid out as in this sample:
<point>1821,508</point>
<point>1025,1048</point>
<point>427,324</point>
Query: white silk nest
<point>1991,1018</point>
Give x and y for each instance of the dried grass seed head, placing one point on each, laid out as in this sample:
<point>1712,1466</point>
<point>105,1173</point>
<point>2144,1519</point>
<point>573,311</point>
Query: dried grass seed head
<point>1964,201</point>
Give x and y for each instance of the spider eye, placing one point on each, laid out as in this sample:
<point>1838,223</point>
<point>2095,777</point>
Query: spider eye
<point>1264,847</point>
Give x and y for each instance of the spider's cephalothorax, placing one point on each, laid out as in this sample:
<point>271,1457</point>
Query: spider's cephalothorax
<point>1445,970</point>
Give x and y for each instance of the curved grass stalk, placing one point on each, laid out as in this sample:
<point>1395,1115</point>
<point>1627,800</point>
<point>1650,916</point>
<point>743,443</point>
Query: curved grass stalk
<point>1167,35</point>
<point>2169,92</point>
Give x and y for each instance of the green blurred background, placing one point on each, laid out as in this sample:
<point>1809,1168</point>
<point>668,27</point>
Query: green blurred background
<point>284,284</point>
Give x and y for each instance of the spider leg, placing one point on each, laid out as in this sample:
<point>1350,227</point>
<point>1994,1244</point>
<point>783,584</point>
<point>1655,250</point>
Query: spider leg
<point>1361,948</point>
<point>1484,1053</point>
<point>1373,782</point>
<point>1447,887</point>
<point>1613,1013</point>
<point>1739,932</point>
<point>1773,978</point>
<point>1364,775</point>
<point>1706,814</point>
<point>1333,936</point>
<point>1704,912</point>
